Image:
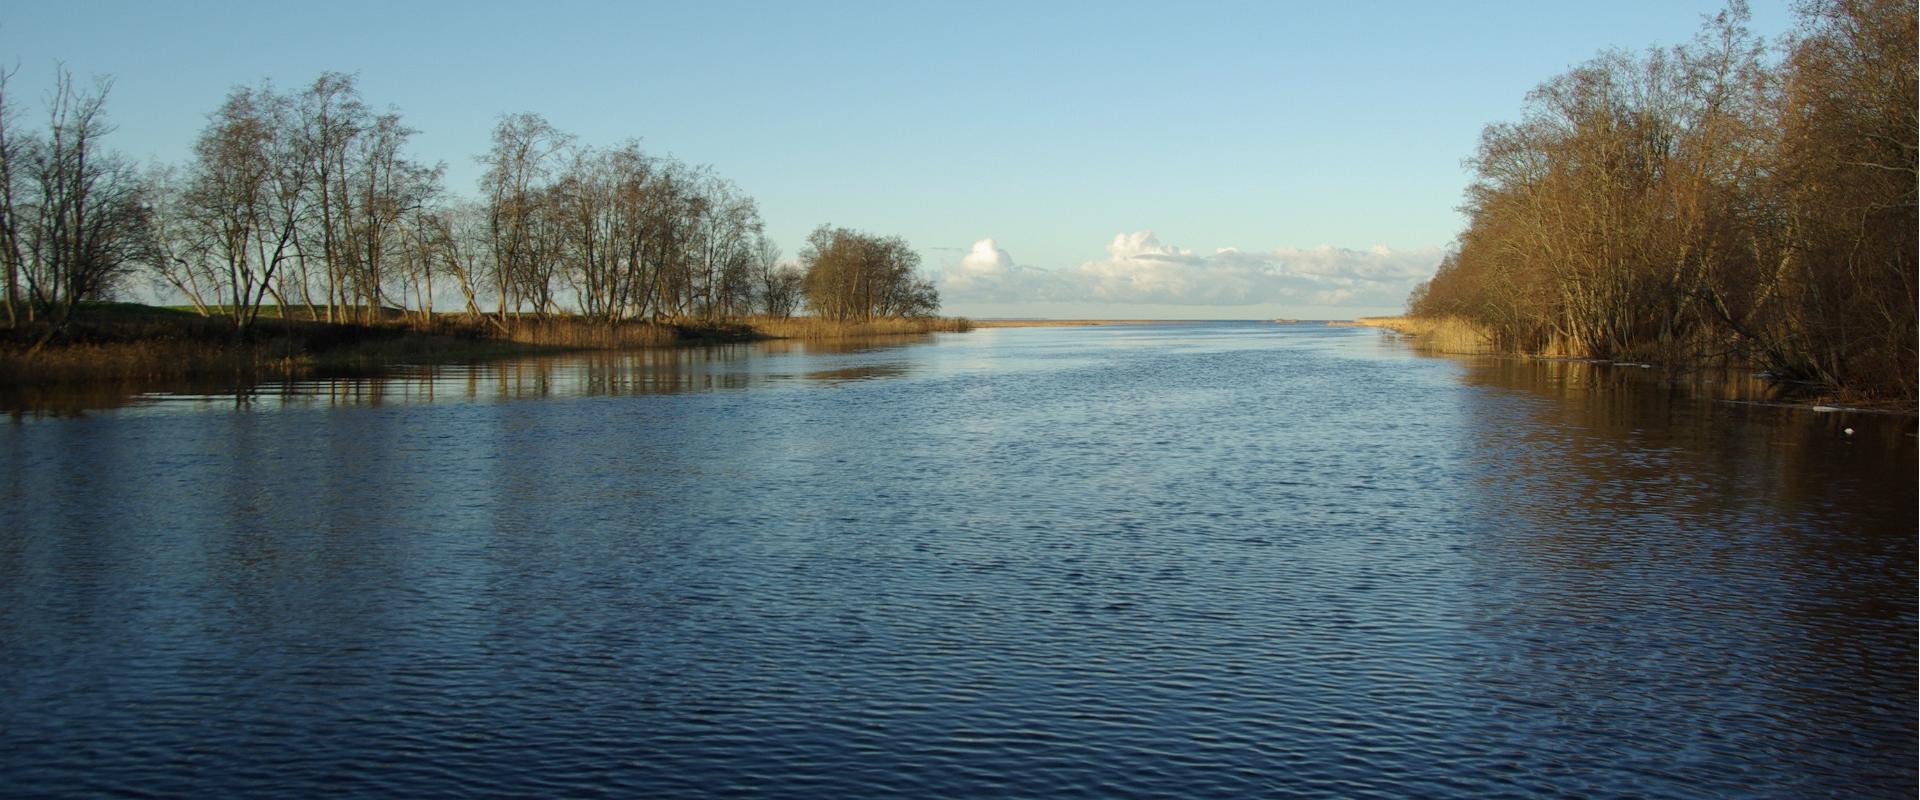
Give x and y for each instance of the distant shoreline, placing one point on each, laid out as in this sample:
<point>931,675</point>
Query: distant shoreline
<point>123,342</point>
<point>1070,323</point>
<point>1082,323</point>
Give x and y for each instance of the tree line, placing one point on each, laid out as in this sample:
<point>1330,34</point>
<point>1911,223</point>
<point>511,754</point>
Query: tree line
<point>310,198</point>
<point>1722,199</point>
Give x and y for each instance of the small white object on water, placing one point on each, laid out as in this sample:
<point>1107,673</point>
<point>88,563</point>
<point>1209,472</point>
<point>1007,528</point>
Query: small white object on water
<point>1848,431</point>
<point>1824,409</point>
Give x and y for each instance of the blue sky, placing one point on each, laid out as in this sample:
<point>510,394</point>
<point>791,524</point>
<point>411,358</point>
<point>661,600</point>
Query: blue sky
<point>1322,134</point>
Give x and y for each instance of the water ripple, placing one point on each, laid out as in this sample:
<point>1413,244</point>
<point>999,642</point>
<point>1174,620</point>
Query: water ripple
<point>1153,562</point>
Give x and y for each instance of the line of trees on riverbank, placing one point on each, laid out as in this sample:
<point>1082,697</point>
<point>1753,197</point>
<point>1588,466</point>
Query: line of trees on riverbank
<point>1719,200</point>
<point>309,198</point>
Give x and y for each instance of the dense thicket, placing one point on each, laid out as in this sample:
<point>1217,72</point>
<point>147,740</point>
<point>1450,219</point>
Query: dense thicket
<point>308,198</point>
<point>1709,201</point>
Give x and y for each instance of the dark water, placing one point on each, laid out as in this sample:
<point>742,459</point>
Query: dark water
<point>1202,561</point>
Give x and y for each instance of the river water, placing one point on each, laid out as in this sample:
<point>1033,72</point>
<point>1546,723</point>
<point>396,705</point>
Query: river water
<point>1221,560</point>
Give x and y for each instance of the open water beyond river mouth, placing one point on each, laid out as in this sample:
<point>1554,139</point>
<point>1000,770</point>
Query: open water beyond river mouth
<point>1221,560</point>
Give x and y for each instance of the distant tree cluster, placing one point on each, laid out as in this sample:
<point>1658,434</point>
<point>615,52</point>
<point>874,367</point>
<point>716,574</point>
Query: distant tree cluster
<point>852,275</point>
<point>1708,200</point>
<point>308,198</point>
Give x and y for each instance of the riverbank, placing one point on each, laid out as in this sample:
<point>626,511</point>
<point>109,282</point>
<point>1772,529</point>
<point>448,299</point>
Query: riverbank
<point>121,342</point>
<point>1067,323</point>
<point>1456,336</point>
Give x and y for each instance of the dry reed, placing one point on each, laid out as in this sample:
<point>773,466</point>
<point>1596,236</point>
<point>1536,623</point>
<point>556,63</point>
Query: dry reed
<point>816,328</point>
<point>1436,334</point>
<point>130,343</point>
<point>586,334</point>
<point>143,361</point>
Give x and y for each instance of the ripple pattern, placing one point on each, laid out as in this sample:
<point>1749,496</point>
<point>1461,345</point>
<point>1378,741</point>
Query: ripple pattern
<point>1135,562</point>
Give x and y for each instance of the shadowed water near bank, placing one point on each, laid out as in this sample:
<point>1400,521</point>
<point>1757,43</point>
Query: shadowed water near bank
<point>109,353</point>
<point>1219,560</point>
<point>449,374</point>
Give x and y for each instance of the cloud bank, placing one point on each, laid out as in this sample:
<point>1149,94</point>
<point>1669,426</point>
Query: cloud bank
<point>1139,269</point>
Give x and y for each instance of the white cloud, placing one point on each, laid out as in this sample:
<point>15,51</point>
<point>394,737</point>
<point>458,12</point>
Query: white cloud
<point>984,265</point>
<point>1139,269</point>
<point>988,274</point>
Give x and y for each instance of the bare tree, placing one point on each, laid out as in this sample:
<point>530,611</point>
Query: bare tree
<point>723,224</point>
<point>457,236</point>
<point>778,285</point>
<point>246,192</point>
<point>517,170</point>
<point>386,188</point>
<point>183,261</point>
<point>331,117</point>
<point>10,157</point>
<point>77,219</point>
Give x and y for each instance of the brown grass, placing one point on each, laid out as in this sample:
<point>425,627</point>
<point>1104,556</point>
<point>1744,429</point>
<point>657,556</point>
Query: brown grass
<point>141,361</point>
<point>1436,334</point>
<point>592,334</point>
<point>126,343</point>
<point>814,328</point>
<point>582,333</point>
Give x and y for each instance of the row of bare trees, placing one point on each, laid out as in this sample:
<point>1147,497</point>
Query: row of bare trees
<point>309,199</point>
<point>1720,199</point>
<point>289,195</point>
<point>625,234</point>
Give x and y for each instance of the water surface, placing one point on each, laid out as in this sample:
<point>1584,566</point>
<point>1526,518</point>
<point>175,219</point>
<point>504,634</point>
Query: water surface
<point>1221,560</point>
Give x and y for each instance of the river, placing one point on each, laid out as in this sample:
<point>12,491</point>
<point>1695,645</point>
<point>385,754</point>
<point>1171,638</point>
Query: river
<point>1178,561</point>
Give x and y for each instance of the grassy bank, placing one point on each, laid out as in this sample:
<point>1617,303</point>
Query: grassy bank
<point>124,342</point>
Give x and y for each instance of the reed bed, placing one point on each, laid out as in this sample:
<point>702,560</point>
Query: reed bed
<point>1437,334</point>
<point>815,328</point>
<point>109,343</point>
<point>595,334</point>
<point>142,361</point>
<point>583,333</point>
